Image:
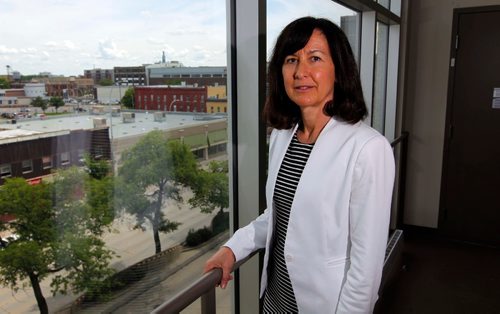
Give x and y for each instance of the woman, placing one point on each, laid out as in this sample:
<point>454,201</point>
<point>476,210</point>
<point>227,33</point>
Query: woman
<point>329,185</point>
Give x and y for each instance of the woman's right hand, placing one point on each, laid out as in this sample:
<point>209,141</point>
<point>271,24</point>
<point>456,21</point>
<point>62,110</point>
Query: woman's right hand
<point>223,259</point>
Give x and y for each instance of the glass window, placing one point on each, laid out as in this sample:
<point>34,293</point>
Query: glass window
<point>65,158</point>
<point>384,3</point>
<point>380,77</point>
<point>5,171</point>
<point>149,235</point>
<point>47,162</point>
<point>279,15</point>
<point>27,166</point>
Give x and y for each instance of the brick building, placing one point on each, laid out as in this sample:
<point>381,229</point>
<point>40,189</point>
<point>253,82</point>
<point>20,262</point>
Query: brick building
<point>168,98</point>
<point>99,74</point>
<point>68,86</point>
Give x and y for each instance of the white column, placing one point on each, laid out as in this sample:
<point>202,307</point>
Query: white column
<point>246,87</point>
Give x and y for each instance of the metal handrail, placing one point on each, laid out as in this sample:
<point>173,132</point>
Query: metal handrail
<point>204,287</point>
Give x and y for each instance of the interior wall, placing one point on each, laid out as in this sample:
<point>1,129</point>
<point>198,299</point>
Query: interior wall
<point>425,97</point>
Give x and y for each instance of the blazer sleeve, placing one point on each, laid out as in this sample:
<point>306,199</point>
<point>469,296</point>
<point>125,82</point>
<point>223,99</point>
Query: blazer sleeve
<point>249,238</point>
<point>369,215</point>
<point>253,236</point>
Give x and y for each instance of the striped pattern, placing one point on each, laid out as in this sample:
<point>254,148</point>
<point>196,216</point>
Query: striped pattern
<point>279,297</point>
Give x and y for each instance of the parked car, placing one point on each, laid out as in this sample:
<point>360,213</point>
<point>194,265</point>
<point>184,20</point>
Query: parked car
<point>7,240</point>
<point>8,115</point>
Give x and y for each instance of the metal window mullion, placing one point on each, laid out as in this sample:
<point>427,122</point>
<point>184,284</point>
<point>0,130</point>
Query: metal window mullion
<point>392,82</point>
<point>246,76</point>
<point>367,59</point>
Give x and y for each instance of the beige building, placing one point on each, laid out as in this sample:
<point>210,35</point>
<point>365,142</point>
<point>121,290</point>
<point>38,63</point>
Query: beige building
<point>216,105</point>
<point>217,92</point>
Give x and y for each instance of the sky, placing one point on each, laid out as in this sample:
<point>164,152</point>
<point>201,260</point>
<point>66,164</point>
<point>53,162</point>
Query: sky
<point>67,37</point>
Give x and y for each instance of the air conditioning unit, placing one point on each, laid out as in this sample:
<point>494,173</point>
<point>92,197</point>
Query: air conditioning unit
<point>99,123</point>
<point>160,116</point>
<point>128,117</point>
<point>115,112</point>
<point>98,110</point>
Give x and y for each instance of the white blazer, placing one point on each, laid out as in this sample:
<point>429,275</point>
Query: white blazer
<point>339,220</point>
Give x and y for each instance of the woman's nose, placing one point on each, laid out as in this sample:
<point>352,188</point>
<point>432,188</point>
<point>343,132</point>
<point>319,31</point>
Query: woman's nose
<point>300,70</point>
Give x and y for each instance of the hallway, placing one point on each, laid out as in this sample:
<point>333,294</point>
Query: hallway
<point>443,276</point>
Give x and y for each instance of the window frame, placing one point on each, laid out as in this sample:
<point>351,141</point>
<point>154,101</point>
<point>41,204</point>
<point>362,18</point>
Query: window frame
<point>27,168</point>
<point>46,165</point>
<point>3,172</point>
<point>64,161</point>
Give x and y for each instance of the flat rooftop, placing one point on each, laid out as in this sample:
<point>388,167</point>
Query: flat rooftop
<point>144,122</point>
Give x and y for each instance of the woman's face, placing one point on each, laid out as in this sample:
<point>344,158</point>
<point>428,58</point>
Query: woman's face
<point>309,73</point>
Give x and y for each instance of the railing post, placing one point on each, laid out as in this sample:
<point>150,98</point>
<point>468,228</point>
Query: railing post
<point>402,180</point>
<point>208,302</point>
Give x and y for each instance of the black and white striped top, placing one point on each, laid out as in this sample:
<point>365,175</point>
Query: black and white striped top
<point>279,296</point>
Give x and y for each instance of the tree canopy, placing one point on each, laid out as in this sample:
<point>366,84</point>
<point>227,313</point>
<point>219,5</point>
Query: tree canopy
<point>211,188</point>
<point>4,84</point>
<point>152,171</point>
<point>128,98</point>
<point>56,102</point>
<point>105,82</point>
<point>40,103</point>
<point>58,225</point>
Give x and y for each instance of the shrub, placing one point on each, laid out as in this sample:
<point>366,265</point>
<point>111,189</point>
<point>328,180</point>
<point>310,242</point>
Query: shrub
<point>220,222</point>
<point>195,238</point>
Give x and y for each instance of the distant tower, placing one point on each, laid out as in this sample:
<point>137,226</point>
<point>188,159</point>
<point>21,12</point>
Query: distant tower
<point>8,72</point>
<point>163,57</point>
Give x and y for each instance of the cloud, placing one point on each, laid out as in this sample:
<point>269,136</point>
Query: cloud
<point>155,41</point>
<point>64,45</point>
<point>7,50</point>
<point>107,50</point>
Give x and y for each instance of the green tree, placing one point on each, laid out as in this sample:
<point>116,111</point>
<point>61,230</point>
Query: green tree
<point>56,102</point>
<point>153,171</point>
<point>4,84</point>
<point>59,226</point>
<point>105,82</point>
<point>40,103</point>
<point>97,169</point>
<point>211,188</point>
<point>128,98</point>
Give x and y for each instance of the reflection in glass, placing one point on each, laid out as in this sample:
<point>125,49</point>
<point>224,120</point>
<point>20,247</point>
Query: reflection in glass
<point>384,3</point>
<point>280,13</point>
<point>123,190</point>
<point>380,77</point>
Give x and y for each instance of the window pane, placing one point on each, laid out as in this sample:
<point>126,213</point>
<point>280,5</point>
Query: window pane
<point>380,77</point>
<point>280,13</point>
<point>143,212</point>
<point>47,162</point>
<point>5,171</point>
<point>27,166</point>
<point>384,3</point>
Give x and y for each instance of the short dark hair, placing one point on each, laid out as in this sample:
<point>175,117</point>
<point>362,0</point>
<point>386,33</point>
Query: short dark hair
<point>348,103</point>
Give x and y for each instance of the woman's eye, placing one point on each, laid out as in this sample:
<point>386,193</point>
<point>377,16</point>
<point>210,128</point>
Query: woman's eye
<point>290,60</point>
<point>315,58</point>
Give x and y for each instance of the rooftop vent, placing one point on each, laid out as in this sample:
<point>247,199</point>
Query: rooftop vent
<point>160,116</point>
<point>99,122</point>
<point>128,117</point>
